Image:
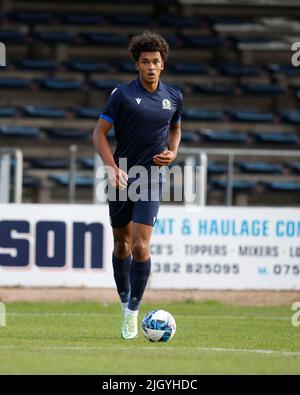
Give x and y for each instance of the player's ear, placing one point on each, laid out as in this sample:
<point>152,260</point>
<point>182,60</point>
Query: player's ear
<point>137,65</point>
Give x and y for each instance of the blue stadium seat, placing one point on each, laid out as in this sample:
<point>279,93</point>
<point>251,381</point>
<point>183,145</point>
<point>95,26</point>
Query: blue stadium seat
<point>104,38</point>
<point>275,137</point>
<point>104,85</point>
<point>15,83</point>
<point>131,20</point>
<point>188,68</point>
<point>216,167</point>
<point>189,137</point>
<point>55,37</point>
<point>87,67</point>
<point>290,116</point>
<point>87,112</point>
<point>202,115</point>
<point>73,19</point>
<point>87,163</point>
<point>295,167</point>
<point>238,185</point>
<point>35,64</point>
<point>43,112</point>
<point>288,70</point>
<point>203,41</point>
<point>13,36</point>
<point>282,186</point>
<point>67,133</point>
<point>214,89</point>
<point>260,167</point>
<point>170,38</point>
<point>251,116</point>
<point>8,111</point>
<point>250,40</point>
<point>42,163</point>
<point>31,182</point>
<point>127,67</point>
<point>19,131</point>
<point>263,89</point>
<point>60,84</point>
<point>179,21</point>
<point>223,136</point>
<point>80,181</point>
<point>31,17</point>
<point>239,70</point>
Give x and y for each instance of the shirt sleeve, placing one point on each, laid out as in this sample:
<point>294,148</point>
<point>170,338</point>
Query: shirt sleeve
<point>177,115</point>
<point>112,106</point>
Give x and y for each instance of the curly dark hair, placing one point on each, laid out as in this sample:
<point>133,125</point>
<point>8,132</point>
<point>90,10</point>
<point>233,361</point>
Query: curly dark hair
<point>148,42</point>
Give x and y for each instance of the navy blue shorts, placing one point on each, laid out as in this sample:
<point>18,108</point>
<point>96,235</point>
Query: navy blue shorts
<point>140,211</point>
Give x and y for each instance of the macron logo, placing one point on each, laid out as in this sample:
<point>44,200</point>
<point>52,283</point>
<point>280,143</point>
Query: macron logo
<point>138,100</point>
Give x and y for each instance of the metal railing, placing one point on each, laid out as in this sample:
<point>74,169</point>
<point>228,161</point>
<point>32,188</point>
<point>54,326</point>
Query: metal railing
<point>191,155</point>
<point>6,155</point>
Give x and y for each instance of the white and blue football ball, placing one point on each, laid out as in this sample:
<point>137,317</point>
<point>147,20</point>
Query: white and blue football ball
<point>158,326</point>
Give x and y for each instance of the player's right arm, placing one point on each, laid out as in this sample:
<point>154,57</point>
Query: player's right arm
<point>117,177</point>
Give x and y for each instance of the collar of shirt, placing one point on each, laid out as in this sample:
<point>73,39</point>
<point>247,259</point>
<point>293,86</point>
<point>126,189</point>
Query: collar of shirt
<point>140,85</point>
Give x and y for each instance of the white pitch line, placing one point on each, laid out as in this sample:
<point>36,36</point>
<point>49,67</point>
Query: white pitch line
<point>165,348</point>
<point>70,314</point>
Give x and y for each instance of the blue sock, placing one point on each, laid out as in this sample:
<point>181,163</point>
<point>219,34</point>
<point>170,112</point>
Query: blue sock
<point>139,275</point>
<point>121,274</point>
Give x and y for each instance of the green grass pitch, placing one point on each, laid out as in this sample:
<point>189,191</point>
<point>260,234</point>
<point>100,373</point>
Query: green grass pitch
<point>211,338</point>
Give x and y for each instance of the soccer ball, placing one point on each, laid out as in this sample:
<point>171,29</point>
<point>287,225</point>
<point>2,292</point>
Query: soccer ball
<point>158,326</point>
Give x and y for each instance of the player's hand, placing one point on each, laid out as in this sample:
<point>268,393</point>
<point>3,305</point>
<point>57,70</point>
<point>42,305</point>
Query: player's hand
<point>165,158</point>
<point>117,177</point>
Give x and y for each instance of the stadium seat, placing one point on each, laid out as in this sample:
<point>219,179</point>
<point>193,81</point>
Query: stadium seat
<point>104,85</point>
<point>12,37</point>
<point>8,111</point>
<point>15,83</point>
<point>80,181</point>
<point>73,19</point>
<point>31,182</point>
<point>19,131</point>
<point>87,163</point>
<point>223,136</point>
<point>295,167</point>
<point>240,185</point>
<point>216,167</point>
<point>275,137</point>
<point>188,68</point>
<point>87,112</point>
<point>189,137</point>
<point>263,89</point>
<point>43,112</point>
<point>31,17</point>
<point>260,167</point>
<point>104,38</point>
<point>87,67</point>
<point>131,20</point>
<point>288,70</point>
<point>251,116</point>
<point>291,116</point>
<point>215,89</point>
<point>35,64</point>
<point>238,70</point>
<point>203,41</point>
<point>127,67</point>
<point>202,115</point>
<point>55,37</point>
<point>44,163</point>
<point>179,21</point>
<point>67,133</point>
<point>60,84</point>
<point>282,186</point>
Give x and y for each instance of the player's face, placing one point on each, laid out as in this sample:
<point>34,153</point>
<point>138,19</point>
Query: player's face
<point>150,65</point>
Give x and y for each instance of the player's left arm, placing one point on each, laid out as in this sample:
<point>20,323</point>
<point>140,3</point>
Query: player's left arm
<point>168,156</point>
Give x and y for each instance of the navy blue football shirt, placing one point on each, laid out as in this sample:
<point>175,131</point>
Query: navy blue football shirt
<point>141,120</point>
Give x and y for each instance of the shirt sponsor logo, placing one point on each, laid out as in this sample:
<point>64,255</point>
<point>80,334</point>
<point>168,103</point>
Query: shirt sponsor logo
<point>138,100</point>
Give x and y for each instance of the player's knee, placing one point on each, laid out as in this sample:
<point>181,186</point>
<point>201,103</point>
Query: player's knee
<point>140,250</point>
<point>122,249</point>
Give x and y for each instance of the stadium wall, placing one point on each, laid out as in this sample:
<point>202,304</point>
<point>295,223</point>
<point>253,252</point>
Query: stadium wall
<point>192,248</point>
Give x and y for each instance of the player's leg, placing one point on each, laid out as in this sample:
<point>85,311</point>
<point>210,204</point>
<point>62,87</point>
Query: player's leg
<point>139,275</point>
<point>121,259</point>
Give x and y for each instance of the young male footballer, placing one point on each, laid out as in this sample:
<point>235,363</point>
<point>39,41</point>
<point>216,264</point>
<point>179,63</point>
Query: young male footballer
<point>146,117</point>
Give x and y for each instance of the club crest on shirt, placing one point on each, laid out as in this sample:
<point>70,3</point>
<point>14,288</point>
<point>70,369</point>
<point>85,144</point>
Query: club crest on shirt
<point>166,104</point>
